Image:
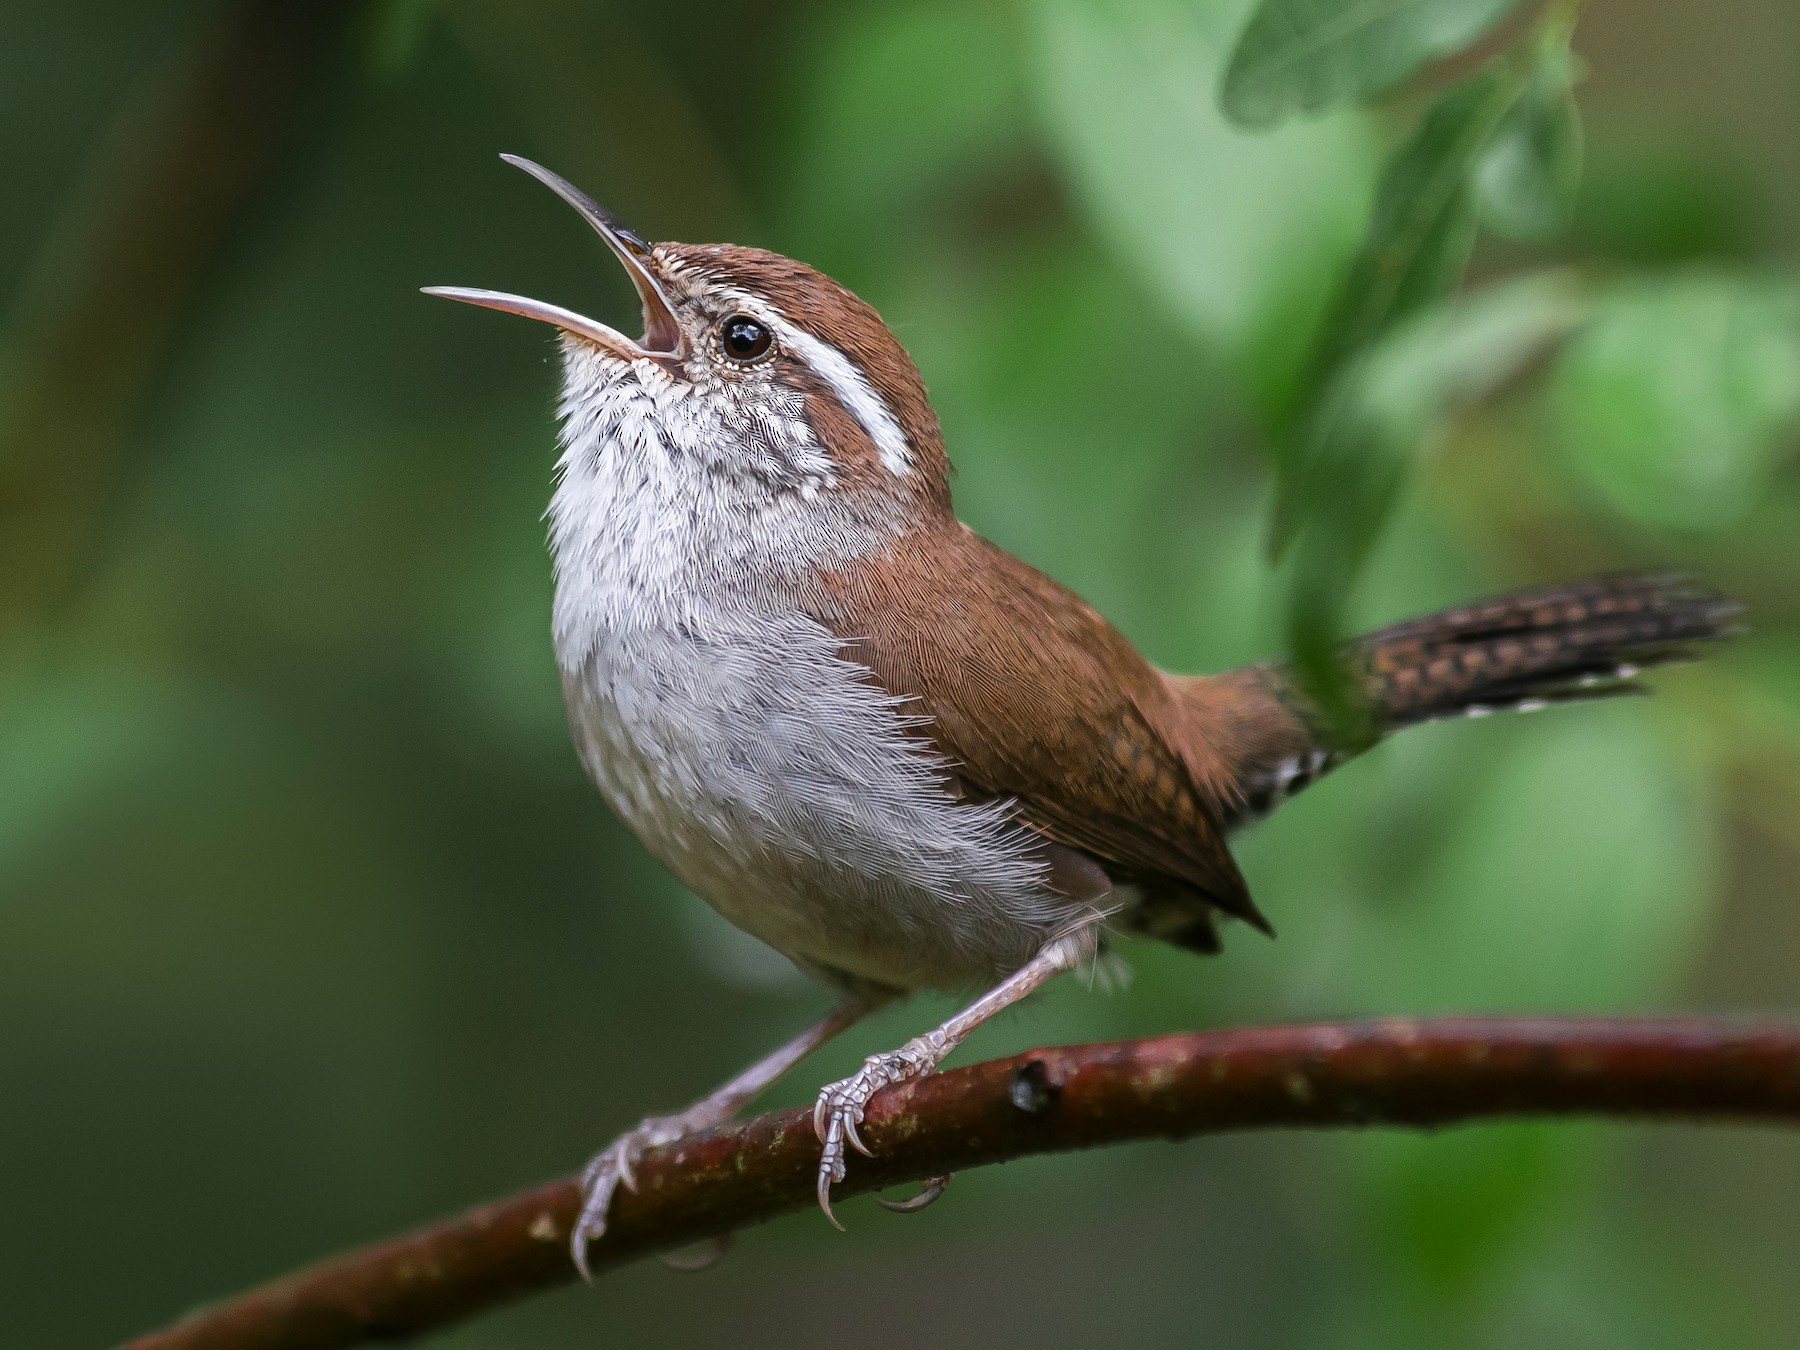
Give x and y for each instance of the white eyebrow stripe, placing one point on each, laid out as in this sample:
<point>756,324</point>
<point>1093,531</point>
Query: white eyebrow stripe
<point>851,386</point>
<point>853,390</point>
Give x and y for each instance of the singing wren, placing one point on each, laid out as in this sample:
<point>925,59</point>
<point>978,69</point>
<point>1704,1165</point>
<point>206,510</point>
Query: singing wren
<point>889,749</point>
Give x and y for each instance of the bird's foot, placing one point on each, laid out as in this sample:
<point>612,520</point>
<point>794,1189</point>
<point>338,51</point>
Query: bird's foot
<point>615,1166</point>
<point>841,1105</point>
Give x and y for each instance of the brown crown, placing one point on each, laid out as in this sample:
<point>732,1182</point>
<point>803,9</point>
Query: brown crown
<point>835,315</point>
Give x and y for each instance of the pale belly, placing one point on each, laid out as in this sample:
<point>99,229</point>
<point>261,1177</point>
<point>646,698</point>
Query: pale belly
<point>780,786</point>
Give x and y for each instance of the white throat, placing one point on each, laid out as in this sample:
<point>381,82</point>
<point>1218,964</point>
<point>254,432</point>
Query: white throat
<point>671,500</point>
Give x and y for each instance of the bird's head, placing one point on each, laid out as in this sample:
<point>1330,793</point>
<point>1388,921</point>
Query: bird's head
<point>751,366</point>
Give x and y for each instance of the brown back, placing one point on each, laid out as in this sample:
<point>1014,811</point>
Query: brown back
<point>1033,696</point>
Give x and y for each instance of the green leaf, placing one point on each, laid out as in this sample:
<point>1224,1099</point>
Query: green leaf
<point>1527,179</point>
<point>1238,237</point>
<point>1306,55</point>
<point>1338,472</point>
<point>1462,350</point>
<point>1423,225</point>
<point>1677,402</point>
<point>1383,409</point>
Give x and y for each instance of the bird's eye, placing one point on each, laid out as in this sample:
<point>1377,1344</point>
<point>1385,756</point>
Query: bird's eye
<point>745,339</point>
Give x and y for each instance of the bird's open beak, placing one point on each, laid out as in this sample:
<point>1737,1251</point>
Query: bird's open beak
<point>662,335</point>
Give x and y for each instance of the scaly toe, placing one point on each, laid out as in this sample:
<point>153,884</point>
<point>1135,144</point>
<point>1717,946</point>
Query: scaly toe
<point>596,1198</point>
<point>838,1114</point>
<point>831,1164</point>
<point>610,1168</point>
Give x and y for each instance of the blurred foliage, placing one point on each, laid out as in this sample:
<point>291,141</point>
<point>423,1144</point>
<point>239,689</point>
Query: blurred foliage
<point>309,924</point>
<point>1529,174</point>
<point>1681,399</point>
<point>1298,56</point>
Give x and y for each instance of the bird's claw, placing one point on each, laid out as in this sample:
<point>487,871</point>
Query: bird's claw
<point>841,1107</point>
<point>934,1188</point>
<point>615,1166</point>
<point>828,1173</point>
<point>854,1139</point>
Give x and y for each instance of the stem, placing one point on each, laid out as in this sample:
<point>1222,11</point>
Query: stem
<point>1417,1074</point>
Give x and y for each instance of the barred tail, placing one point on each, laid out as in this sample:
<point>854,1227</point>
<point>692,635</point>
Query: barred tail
<point>1517,652</point>
<point>1533,648</point>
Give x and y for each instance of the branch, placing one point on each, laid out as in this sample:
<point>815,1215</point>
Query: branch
<point>1422,1074</point>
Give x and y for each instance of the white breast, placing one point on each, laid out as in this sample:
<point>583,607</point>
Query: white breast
<point>782,788</point>
<point>770,774</point>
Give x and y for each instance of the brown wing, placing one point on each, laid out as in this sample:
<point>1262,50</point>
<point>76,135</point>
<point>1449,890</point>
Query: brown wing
<point>1034,696</point>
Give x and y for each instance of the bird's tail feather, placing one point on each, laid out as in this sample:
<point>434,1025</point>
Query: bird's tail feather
<point>1533,648</point>
<point>1516,652</point>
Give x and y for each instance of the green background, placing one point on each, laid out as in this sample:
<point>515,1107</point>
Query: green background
<point>310,926</point>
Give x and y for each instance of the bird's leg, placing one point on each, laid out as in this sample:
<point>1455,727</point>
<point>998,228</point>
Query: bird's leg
<point>614,1164</point>
<point>840,1107</point>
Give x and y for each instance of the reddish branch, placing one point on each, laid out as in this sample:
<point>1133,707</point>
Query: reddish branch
<point>1418,1074</point>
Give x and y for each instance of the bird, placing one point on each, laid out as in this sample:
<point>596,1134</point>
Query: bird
<point>894,752</point>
